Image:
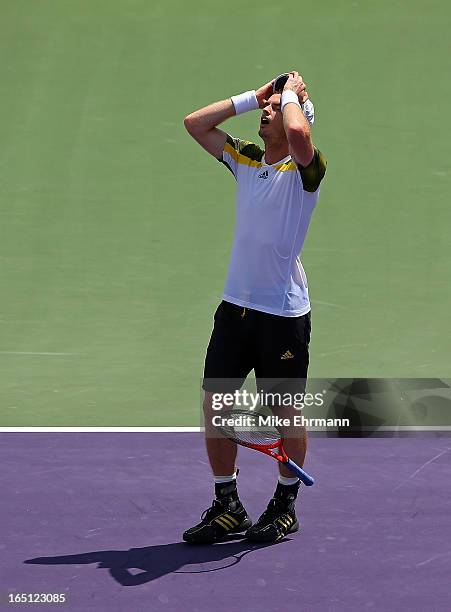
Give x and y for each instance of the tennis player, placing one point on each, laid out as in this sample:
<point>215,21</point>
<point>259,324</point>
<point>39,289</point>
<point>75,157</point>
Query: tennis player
<point>263,322</point>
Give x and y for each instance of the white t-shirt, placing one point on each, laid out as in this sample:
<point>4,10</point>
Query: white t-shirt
<point>274,205</point>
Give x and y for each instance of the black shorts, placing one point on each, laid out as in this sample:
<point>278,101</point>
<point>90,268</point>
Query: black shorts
<point>275,347</point>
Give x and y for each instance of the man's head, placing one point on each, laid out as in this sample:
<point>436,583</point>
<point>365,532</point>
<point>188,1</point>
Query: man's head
<point>271,121</point>
<point>279,82</point>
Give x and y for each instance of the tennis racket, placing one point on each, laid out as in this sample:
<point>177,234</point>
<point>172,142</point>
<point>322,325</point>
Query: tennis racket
<point>263,438</point>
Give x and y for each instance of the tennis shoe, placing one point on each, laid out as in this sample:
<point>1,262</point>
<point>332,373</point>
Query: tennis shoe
<point>224,517</point>
<point>278,520</point>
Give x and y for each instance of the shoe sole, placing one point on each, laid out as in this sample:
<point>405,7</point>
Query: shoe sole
<point>262,537</point>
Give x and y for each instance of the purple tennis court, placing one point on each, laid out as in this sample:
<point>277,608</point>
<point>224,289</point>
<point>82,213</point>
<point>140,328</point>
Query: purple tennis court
<point>99,517</point>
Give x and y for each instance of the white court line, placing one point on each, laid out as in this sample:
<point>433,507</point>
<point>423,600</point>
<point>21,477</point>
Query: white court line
<point>100,429</point>
<point>38,353</point>
<point>424,428</point>
<point>412,428</point>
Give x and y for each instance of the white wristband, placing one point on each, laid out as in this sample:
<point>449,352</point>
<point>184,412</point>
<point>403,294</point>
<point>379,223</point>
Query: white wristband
<point>245,102</point>
<point>288,97</point>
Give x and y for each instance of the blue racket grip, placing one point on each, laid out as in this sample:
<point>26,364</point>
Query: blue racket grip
<point>306,478</point>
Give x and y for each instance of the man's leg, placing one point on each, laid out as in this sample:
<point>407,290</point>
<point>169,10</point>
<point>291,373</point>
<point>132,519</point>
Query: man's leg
<point>227,514</point>
<point>282,368</point>
<point>227,364</point>
<point>279,518</point>
<point>294,440</point>
<point>221,451</point>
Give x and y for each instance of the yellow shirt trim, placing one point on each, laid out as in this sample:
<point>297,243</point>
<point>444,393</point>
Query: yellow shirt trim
<point>286,167</point>
<point>240,158</point>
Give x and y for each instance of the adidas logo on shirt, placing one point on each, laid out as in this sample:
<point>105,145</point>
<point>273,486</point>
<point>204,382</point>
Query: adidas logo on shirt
<point>263,175</point>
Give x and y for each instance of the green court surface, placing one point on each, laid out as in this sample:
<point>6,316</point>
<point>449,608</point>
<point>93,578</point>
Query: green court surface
<point>115,227</point>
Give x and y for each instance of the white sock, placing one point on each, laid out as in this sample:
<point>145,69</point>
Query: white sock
<point>223,479</point>
<point>287,481</point>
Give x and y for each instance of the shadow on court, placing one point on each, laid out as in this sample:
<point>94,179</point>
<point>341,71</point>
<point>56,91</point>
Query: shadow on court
<point>140,565</point>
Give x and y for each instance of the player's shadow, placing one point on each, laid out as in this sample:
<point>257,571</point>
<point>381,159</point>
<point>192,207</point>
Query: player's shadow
<point>140,565</point>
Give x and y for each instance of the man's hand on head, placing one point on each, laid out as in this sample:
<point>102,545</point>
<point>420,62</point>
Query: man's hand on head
<point>304,97</point>
<point>263,94</point>
<point>296,83</point>
<point>294,121</point>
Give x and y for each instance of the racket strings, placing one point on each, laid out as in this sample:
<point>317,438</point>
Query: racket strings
<point>251,433</point>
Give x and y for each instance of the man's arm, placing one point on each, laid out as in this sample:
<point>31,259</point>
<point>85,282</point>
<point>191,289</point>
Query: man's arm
<point>296,126</point>
<point>202,124</point>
